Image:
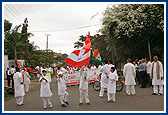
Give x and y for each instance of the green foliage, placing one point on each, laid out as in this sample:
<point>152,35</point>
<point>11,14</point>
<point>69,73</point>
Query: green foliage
<point>130,26</point>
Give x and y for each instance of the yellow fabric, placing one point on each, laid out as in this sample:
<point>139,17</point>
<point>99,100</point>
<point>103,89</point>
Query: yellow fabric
<point>49,74</point>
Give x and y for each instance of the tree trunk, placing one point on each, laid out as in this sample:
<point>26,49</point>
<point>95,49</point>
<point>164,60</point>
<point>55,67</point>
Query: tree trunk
<point>150,57</point>
<point>15,54</point>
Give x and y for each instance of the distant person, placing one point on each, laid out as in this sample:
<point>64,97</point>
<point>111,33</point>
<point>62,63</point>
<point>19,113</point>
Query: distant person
<point>105,69</point>
<point>12,72</point>
<point>18,87</point>
<point>8,76</point>
<point>129,74</point>
<point>157,76</point>
<point>26,79</point>
<point>45,91</point>
<point>111,90</point>
<point>62,90</point>
<point>49,72</point>
<point>83,87</point>
<point>148,71</point>
<point>142,73</point>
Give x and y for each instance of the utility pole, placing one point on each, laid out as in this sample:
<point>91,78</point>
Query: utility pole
<point>47,48</point>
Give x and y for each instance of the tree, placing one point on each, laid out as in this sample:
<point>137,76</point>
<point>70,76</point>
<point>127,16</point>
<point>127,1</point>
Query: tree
<point>135,29</point>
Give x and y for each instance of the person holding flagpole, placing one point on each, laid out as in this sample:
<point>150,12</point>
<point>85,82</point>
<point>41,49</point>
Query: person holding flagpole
<point>83,87</point>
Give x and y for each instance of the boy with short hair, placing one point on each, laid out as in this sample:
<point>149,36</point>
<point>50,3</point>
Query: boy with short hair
<point>45,91</point>
<point>62,90</point>
<point>111,90</point>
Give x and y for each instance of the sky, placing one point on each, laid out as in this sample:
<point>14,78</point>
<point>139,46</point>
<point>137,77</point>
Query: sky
<point>64,22</point>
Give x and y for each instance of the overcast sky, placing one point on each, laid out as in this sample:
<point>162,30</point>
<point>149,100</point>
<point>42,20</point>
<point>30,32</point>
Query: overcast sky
<point>55,19</point>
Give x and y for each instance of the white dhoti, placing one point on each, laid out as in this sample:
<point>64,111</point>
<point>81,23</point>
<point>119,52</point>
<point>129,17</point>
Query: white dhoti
<point>45,101</point>
<point>130,89</point>
<point>19,100</point>
<point>84,95</point>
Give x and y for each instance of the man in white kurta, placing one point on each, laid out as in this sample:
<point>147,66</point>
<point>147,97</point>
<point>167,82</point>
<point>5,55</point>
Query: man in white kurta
<point>104,80</point>
<point>111,90</point>
<point>26,79</point>
<point>83,87</point>
<point>62,90</point>
<point>45,91</point>
<point>19,87</point>
<point>129,74</point>
<point>157,76</point>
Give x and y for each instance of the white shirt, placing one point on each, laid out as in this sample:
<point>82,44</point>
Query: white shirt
<point>12,70</point>
<point>148,67</point>
<point>19,88</point>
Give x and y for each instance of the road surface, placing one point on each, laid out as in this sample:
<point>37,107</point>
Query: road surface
<point>143,101</point>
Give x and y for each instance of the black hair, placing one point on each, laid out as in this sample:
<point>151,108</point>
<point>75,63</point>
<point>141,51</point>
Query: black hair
<point>110,61</point>
<point>58,67</point>
<point>113,68</point>
<point>44,71</point>
<point>13,66</point>
<point>17,69</point>
<point>106,61</point>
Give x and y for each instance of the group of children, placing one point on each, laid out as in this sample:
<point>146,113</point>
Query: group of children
<point>46,93</point>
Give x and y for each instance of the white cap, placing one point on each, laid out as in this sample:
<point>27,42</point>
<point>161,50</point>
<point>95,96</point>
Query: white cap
<point>60,73</point>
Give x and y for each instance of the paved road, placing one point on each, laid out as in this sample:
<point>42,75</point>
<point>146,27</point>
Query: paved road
<point>143,101</point>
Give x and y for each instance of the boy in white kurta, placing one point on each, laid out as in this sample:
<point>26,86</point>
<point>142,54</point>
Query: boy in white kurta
<point>83,87</point>
<point>19,87</point>
<point>62,90</point>
<point>45,91</point>
<point>111,90</point>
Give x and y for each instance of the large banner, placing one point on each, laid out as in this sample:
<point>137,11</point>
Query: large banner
<point>74,78</point>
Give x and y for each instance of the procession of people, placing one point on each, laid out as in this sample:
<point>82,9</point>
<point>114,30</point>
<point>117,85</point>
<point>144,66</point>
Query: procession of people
<point>142,73</point>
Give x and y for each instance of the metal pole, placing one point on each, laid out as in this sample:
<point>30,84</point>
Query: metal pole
<point>47,48</point>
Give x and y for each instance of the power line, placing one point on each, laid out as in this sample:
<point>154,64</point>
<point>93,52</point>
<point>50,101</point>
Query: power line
<point>17,11</point>
<point>12,13</point>
<point>68,29</point>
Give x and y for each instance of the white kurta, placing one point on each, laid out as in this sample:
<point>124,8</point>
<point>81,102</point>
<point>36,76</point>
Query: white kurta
<point>156,81</point>
<point>45,88</point>
<point>83,82</point>
<point>129,74</point>
<point>104,80</point>
<point>26,78</point>
<point>61,86</point>
<point>113,77</point>
<point>19,88</point>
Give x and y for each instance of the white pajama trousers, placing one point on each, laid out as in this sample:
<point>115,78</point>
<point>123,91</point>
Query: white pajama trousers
<point>84,95</point>
<point>155,89</point>
<point>101,92</point>
<point>26,87</point>
<point>64,98</point>
<point>130,89</point>
<point>45,101</point>
<point>19,100</point>
<point>111,96</point>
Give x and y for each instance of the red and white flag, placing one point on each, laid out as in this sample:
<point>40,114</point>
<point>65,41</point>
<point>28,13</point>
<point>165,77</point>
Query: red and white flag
<point>79,58</point>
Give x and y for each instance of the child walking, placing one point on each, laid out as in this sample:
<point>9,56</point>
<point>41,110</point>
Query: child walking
<point>62,90</point>
<point>111,90</point>
<point>45,91</point>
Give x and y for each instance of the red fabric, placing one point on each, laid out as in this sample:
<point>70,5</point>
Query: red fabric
<point>69,61</point>
<point>33,71</point>
<point>87,42</point>
<point>75,63</point>
<point>18,65</point>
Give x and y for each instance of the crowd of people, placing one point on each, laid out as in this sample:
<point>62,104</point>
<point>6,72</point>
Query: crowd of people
<point>143,73</point>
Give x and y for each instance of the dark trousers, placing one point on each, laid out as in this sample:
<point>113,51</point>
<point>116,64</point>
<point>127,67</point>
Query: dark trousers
<point>142,79</point>
<point>12,81</point>
<point>148,80</point>
<point>8,80</point>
